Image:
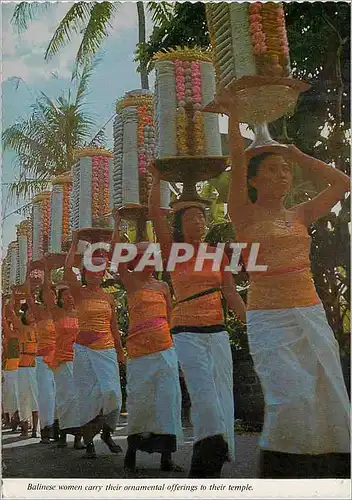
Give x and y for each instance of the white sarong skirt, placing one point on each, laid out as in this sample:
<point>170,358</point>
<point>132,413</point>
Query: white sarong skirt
<point>206,362</point>
<point>46,393</point>
<point>97,381</point>
<point>27,392</point>
<point>67,407</point>
<point>10,391</point>
<point>154,395</point>
<point>297,360</point>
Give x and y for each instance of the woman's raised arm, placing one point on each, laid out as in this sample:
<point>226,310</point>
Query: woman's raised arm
<point>160,223</point>
<point>69,276</point>
<point>338,182</point>
<point>48,296</point>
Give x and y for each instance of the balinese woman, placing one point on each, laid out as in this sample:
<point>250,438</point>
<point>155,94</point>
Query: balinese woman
<point>96,352</point>
<point>200,338</point>
<point>296,356</point>
<point>66,326</point>
<point>153,388</point>
<point>10,369</point>
<point>45,376</point>
<point>27,380</point>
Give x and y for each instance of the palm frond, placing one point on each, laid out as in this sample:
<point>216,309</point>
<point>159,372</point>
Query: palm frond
<point>73,22</point>
<point>25,12</point>
<point>27,189</point>
<point>83,79</point>
<point>161,12</point>
<point>96,30</point>
<point>45,141</point>
<point>99,139</point>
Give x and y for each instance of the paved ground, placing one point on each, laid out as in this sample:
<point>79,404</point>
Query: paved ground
<point>28,458</point>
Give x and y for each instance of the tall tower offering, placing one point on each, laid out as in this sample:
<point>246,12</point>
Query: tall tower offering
<point>13,263</point>
<point>40,225</point>
<point>134,150</point>
<point>91,197</point>
<point>60,214</point>
<point>188,141</point>
<point>5,275</point>
<point>251,59</point>
<point>24,239</point>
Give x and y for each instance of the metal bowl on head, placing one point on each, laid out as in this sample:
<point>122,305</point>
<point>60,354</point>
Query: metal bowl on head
<point>262,99</point>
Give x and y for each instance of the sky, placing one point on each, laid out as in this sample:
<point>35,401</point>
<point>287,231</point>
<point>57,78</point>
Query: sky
<point>23,57</point>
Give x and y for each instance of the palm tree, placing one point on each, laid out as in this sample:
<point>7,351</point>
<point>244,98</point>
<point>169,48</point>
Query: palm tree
<point>92,20</point>
<point>44,143</point>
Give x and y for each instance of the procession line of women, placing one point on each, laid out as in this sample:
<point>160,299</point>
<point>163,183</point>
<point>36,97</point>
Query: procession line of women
<point>306,428</point>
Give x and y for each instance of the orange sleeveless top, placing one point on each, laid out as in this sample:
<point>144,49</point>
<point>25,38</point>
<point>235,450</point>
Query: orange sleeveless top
<point>201,311</point>
<point>288,280</point>
<point>148,326</point>
<point>66,332</point>
<point>46,340</point>
<point>28,345</point>
<point>11,351</point>
<point>94,317</point>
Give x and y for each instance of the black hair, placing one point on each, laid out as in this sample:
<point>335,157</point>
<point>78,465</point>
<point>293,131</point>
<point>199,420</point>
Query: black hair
<point>41,295</point>
<point>23,310</point>
<point>59,302</point>
<point>178,236</point>
<point>83,276</point>
<point>253,169</point>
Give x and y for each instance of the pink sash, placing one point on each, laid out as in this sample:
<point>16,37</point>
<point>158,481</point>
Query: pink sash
<point>151,323</point>
<point>86,337</point>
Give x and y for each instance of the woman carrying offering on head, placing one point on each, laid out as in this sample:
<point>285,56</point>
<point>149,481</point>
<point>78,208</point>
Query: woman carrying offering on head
<point>200,338</point>
<point>66,327</point>
<point>10,368</point>
<point>27,379</point>
<point>153,388</point>
<point>46,347</point>
<point>97,350</point>
<point>296,356</point>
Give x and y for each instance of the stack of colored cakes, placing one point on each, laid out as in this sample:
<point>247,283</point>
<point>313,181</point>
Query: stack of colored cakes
<point>24,239</point>
<point>185,82</point>
<point>40,225</point>
<point>60,214</point>
<point>90,199</point>
<point>134,150</point>
<point>251,58</point>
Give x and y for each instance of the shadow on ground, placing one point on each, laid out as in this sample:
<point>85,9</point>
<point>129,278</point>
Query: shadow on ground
<point>28,458</point>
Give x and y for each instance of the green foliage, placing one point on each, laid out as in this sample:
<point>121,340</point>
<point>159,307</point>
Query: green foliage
<point>44,143</point>
<point>319,40</point>
<point>92,20</point>
<point>187,27</point>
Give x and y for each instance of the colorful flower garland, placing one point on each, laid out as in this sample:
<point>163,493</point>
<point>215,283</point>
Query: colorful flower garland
<point>189,119</point>
<point>66,193</point>
<point>269,38</point>
<point>45,225</point>
<point>60,206</point>
<point>100,188</point>
<point>135,109</point>
<point>24,247</point>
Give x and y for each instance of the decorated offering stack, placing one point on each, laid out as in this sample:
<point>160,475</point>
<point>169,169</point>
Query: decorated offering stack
<point>12,254</point>
<point>188,140</point>
<point>91,198</point>
<point>60,214</point>
<point>251,59</point>
<point>40,225</point>
<point>24,239</point>
<point>134,150</point>
<point>5,275</point>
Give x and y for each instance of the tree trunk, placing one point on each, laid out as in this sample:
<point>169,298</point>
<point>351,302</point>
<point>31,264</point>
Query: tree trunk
<point>142,41</point>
